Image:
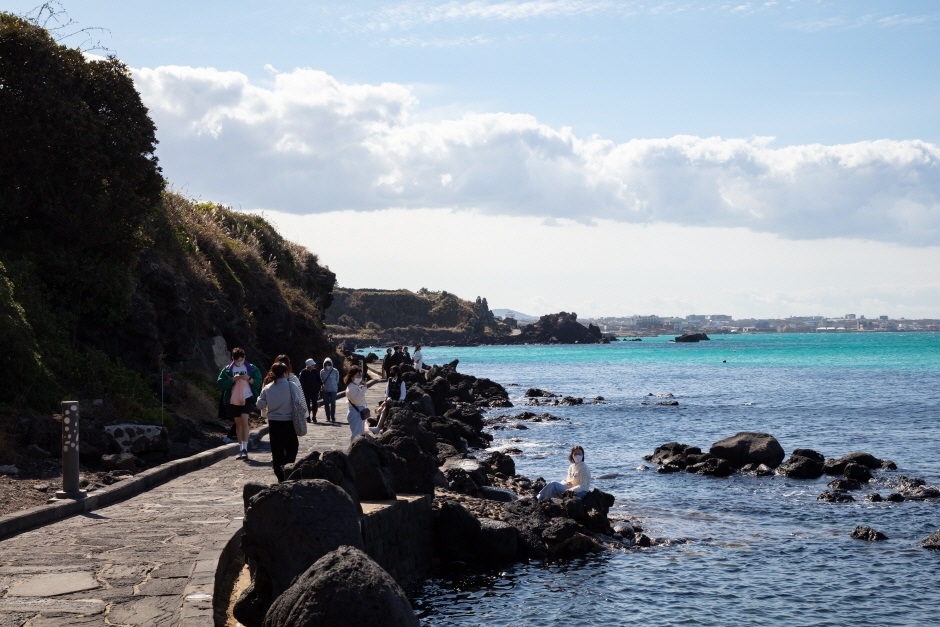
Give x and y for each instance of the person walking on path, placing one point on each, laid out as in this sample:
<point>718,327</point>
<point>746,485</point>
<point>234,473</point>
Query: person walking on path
<point>387,362</point>
<point>277,398</point>
<point>310,384</point>
<point>356,400</point>
<point>329,377</point>
<point>240,383</point>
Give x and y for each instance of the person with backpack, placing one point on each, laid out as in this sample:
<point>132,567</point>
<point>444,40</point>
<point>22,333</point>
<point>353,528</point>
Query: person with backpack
<point>240,383</point>
<point>329,377</point>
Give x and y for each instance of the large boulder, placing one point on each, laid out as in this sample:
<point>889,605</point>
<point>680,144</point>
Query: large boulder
<point>867,460</point>
<point>457,533</point>
<point>500,463</point>
<point>333,466</point>
<point>499,540</point>
<point>749,448</point>
<point>868,534</point>
<point>342,588</point>
<point>370,462</point>
<point>932,541</point>
<point>803,464</point>
<point>288,527</point>
<point>412,450</point>
<point>858,472</point>
<point>564,537</point>
<point>439,390</point>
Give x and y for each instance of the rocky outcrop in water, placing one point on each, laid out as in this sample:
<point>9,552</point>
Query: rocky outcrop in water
<point>868,534</point>
<point>559,328</point>
<point>932,541</point>
<point>692,337</point>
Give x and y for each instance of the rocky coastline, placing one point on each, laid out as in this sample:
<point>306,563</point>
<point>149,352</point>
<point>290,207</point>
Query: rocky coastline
<point>435,444</point>
<point>761,455</point>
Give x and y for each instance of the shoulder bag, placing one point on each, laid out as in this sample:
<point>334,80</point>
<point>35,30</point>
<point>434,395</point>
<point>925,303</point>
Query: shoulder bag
<point>298,411</point>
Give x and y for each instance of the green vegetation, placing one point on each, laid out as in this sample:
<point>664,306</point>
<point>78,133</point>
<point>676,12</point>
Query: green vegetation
<point>107,281</point>
<point>365,315</point>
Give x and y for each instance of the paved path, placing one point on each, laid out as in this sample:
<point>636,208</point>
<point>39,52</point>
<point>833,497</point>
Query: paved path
<point>148,560</point>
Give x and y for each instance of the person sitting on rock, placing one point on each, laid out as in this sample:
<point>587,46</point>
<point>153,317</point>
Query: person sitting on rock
<point>578,481</point>
<point>394,391</point>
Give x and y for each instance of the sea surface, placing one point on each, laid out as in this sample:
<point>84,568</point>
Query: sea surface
<point>746,550</point>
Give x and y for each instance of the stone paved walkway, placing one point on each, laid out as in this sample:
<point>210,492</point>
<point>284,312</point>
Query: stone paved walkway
<point>149,560</point>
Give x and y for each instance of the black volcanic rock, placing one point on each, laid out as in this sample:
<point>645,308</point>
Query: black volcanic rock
<point>560,328</point>
<point>692,337</point>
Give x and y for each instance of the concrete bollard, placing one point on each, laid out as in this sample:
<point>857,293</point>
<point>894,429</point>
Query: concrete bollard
<point>70,474</point>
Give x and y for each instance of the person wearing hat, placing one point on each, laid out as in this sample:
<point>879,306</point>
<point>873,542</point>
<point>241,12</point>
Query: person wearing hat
<point>310,384</point>
<point>329,376</point>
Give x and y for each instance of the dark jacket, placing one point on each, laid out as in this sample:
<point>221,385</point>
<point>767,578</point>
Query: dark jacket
<point>310,382</point>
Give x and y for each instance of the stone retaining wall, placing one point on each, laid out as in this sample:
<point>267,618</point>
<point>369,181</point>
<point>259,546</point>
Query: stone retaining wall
<point>398,535</point>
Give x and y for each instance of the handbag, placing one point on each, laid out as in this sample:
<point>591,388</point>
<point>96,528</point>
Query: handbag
<point>298,411</point>
<point>364,413</point>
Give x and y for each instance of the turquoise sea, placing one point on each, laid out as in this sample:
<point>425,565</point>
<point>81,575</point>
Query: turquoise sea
<point>755,551</point>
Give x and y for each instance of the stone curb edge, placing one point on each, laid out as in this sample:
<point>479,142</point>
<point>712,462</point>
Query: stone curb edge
<point>18,522</point>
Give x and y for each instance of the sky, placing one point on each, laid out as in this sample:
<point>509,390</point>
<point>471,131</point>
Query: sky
<point>754,159</point>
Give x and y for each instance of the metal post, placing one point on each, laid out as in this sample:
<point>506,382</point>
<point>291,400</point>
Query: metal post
<point>70,475</point>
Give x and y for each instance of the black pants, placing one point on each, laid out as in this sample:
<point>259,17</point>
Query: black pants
<point>283,445</point>
<point>312,395</point>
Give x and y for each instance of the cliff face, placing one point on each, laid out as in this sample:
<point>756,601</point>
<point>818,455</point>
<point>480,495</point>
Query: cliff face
<point>376,316</point>
<point>216,279</point>
<point>211,280</point>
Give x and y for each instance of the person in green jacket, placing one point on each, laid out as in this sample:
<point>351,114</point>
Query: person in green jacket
<point>240,383</point>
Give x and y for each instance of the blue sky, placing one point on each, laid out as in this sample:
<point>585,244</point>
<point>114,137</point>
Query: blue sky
<point>612,158</point>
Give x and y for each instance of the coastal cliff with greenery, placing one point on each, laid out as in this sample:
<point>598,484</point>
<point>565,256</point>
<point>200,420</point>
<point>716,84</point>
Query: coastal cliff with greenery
<point>372,316</point>
<point>112,287</point>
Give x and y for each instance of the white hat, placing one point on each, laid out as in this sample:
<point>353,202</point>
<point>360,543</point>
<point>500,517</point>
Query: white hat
<point>310,362</point>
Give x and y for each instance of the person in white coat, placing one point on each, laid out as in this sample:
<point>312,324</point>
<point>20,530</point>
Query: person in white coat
<point>356,401</point>
<point>578,481</point>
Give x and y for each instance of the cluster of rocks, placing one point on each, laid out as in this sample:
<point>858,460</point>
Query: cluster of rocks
<point>537,396</point>
<point>559,328</point>
<point>482,511</point>
<point>517,421</point>
<point>760,454</point>
<point>666,399</point>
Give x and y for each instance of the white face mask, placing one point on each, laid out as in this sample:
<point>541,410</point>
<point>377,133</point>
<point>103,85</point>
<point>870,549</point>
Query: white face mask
<point>357,380</point>
<point>578,458</point>
<point>329,366</point>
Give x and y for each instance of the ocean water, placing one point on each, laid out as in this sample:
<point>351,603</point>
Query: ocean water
<point>750,551</point>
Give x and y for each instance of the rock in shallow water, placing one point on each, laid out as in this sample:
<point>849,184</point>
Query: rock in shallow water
<point>868,534</point>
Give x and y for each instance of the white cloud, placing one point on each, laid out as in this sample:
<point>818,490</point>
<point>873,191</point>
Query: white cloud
<point>306,142</point>
<point>615,268</point>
